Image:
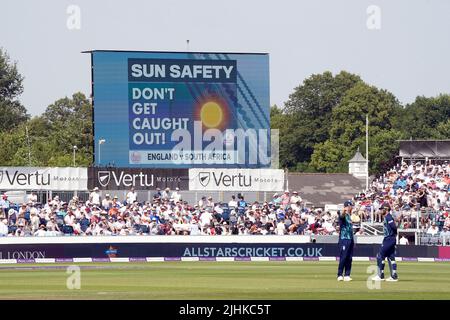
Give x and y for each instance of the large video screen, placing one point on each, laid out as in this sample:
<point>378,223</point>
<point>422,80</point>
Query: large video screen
<point>181,109</point>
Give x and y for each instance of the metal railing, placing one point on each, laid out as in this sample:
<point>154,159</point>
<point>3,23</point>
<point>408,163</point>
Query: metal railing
<point>370,229</point>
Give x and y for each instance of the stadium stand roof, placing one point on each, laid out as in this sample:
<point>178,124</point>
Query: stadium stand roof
<point>422,149</point>
<point>320,189</point>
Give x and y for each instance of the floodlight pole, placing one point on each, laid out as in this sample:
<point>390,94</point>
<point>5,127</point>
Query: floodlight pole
<point>100,142</point>
<point>74,150</point>
<point>367,152</point>
<point>29,147</point>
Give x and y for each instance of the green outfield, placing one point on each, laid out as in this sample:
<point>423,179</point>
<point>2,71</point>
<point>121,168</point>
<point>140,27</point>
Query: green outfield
<point>220,280</point>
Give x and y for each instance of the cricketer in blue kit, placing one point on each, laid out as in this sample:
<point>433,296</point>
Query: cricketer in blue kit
<point>346,243</point>
<point>388,247</point>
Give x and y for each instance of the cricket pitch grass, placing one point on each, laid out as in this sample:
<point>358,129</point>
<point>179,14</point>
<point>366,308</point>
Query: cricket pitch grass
<point>220,280</point>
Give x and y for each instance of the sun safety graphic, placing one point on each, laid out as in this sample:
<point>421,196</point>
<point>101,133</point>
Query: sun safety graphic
<point>214,114</point>
<point>166,109</point>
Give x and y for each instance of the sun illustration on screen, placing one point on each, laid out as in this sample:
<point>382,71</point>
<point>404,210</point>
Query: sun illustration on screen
<point>213,113</point>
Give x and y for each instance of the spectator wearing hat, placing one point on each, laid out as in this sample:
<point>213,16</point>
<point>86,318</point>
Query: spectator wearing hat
<point>115,202</point>
<point>276,199</point>
<point>94,197</point>
<point>295,198</point>
<point>107,202</point>
<point>210,203</point>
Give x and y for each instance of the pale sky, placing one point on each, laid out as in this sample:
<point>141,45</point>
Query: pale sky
<point>409,55</point>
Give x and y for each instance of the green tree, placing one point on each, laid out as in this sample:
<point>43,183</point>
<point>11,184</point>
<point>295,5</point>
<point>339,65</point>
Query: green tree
<point>70,122</point>
<point>348,126</point>
<point>443,130</point>
<point>20,150</point>
<point>327,157</point>
<point>308,113</point>
<point>12,112</point>
<point>420,119</point>
<point>383,148</point>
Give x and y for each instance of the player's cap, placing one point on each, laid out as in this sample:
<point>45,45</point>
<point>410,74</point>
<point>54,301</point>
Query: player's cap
<point>348,203</point>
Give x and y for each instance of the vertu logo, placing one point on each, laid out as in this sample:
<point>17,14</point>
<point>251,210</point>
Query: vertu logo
<point>204,178</point>
<point>104,177</point>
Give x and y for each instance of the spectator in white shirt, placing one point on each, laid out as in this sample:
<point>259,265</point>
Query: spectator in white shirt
<point>232,203</point>
<point>433,230</point>
<point>205,218</point>
<point>295,198</point>
<point>176,196</point>
<point>34,221</point>
<point>32,197</point>
<point>403,240</point>
<point>41,232</point>
<point>131,196</point>
<point>107,202</point>
<point>166,195</point>
<point>281,228</point>
<point>94,197</point>
<point>69,219</point>
<point>3,228</point>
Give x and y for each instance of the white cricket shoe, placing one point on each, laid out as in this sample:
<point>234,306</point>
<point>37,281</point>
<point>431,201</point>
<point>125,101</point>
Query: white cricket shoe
<point>390,279</point>
<point>377,278</point>
<point>347,278</point>
<point>340,278</point>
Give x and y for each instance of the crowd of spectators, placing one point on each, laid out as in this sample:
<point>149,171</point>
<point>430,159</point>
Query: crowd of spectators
<point>417,193</point>
<point>165,214</point>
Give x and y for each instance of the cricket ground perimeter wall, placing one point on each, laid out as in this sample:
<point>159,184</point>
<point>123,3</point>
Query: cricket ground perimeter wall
<point>115,248</point>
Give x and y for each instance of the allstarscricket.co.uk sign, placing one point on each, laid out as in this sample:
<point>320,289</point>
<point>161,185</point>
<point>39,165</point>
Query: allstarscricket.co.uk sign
<point>43,178</point>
